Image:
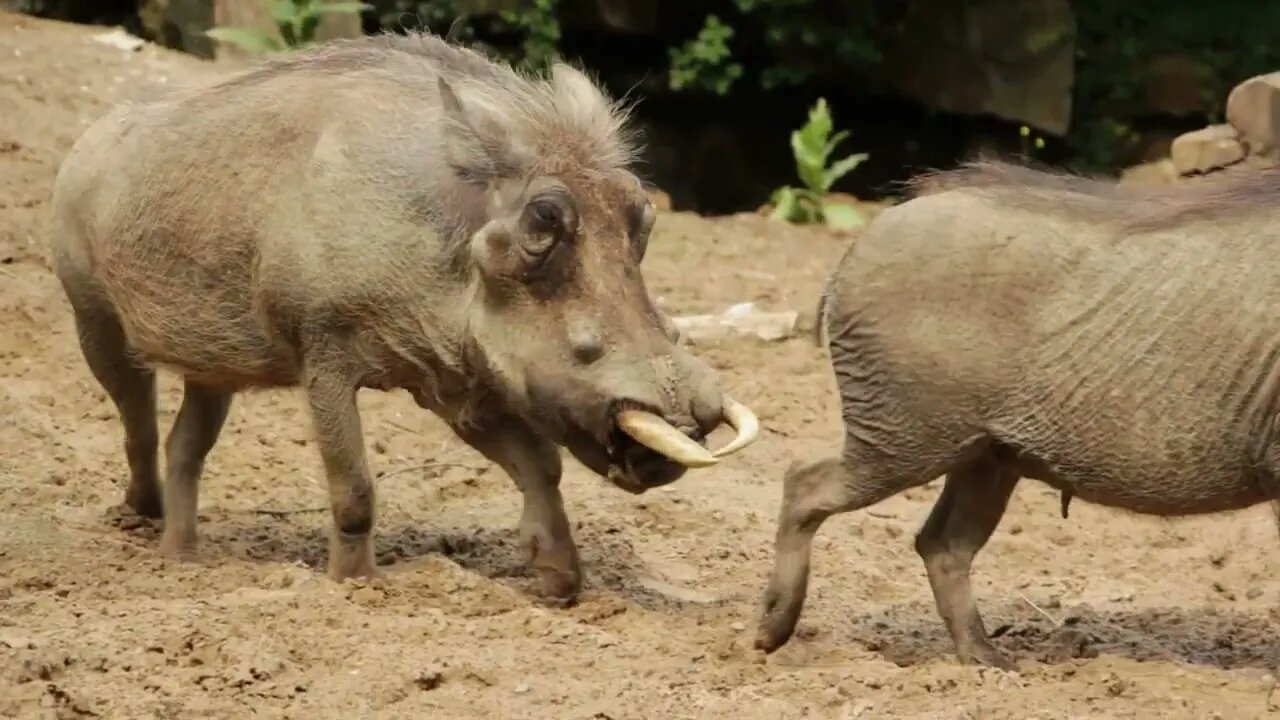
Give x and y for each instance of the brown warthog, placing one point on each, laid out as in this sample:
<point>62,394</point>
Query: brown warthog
<point>1122,346</point>
<point>391,212</point>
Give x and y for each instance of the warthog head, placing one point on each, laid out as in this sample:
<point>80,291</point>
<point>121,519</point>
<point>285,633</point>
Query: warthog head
<point>559,320</point>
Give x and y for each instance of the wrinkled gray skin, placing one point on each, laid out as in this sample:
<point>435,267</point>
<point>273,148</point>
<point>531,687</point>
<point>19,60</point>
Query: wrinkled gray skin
<point>1121,346</point>
<point>390,212</point>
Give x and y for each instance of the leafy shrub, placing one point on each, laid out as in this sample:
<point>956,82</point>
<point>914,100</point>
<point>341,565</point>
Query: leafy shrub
<point>703,62</point>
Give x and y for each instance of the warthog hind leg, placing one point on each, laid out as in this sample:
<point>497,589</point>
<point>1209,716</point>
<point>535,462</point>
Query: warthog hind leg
<point>131,386</point>
<point>972,502</point>
<point>196,429</point>
<point>811,494</point>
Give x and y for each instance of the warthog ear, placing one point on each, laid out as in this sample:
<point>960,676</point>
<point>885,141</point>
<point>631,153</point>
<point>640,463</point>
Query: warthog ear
<point>578,96</point>
<point>478,136</point>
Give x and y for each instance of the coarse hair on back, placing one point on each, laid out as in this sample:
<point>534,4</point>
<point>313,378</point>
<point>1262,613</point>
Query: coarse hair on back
<point>514,120</point>
<point>1241,190</point>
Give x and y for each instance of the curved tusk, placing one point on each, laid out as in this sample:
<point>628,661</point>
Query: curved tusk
<point>741,418</point>
<point>659,436</point>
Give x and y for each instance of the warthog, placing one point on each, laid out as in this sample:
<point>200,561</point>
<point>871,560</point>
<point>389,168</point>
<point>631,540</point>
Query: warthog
<point>390,213</point>
<point>1120,345</point>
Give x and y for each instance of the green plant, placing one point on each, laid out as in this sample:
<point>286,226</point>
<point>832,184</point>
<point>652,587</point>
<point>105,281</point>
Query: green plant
<point>296,21</point>
<point>800,41</point>
<point>703,62</point>
<point>812,145</point>
<point>541,28</point>
<point>1025,135</point>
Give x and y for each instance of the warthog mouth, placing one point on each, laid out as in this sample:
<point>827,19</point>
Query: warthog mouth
<point>635,467</point>
<point>645,450</point>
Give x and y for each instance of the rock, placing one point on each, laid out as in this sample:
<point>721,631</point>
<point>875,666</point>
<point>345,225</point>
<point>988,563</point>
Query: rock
<point>1253,107</point>
<point>1210,148</point>
<point>740,319</point>
<point>1015,61</point>
<point>118,38</point>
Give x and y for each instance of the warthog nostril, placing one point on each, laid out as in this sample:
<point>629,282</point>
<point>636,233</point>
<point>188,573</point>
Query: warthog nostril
<point>585,341</point>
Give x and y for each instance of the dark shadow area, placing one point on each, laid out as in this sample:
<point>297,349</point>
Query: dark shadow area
<point>609,562</point>
<point>913,634</point>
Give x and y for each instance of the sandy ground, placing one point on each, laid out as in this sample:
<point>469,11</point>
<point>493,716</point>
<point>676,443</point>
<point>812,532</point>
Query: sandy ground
<point>1108,614</point>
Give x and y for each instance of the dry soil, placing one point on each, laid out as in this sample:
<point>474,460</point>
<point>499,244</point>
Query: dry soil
<point>1108,614</point>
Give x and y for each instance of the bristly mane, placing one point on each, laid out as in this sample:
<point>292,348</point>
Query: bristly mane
<point>546,115</point>
<point>1240,190</point>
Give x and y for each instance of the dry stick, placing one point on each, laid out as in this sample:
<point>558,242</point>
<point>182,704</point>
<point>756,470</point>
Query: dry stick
<point>1037,608</point>
<point>299,511</point>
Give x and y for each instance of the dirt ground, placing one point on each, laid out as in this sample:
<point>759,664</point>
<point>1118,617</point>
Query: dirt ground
<point>1108,614</point>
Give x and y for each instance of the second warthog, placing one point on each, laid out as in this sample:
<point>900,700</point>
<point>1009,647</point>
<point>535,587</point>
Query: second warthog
<point>1121,345</point>
<point>389,212</point>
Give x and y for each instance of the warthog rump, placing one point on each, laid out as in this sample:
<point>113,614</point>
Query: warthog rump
<point>388,212</point>
<point>1120,345</point>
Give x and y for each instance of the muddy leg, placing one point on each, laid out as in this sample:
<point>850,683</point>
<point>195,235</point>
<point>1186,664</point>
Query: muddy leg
<point>534,466</point>
<point>194,432</point>
<point>811,494</point>
<point>332,399</point>
<point>966,513</point>
<point>132,388</point>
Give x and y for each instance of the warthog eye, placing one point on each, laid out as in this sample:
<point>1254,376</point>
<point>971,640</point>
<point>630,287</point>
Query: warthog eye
<point>545,216</point>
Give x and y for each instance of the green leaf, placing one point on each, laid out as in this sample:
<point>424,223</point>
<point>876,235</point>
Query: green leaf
<point>784,204</point>
<point>808,206</point>
<point>841,216</point>
<point>247,38</point>
<point>840,167</point>
<point>833,142</point>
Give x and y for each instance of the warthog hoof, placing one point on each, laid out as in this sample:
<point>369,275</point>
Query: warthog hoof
<point>125,517</point>
<point>777,623</point>
<point>175,546</point>
<point>351,557</point>
<point>983,653</point>
<point>560,587</point>
<point>144,501</point>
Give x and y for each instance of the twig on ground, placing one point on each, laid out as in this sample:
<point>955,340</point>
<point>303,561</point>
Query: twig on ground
<point>402,428</point>
<point>1056,623</point>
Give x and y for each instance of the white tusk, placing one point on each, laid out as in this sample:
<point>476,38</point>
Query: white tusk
<point>659,436</point>
<point>741,418</point>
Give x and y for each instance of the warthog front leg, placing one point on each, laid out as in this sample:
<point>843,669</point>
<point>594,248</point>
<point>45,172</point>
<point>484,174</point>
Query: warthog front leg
<point>812,493</point>
<point>332,398</point>
<point>534,465</point>
<point>200,420</point>
<point>966,513</point>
